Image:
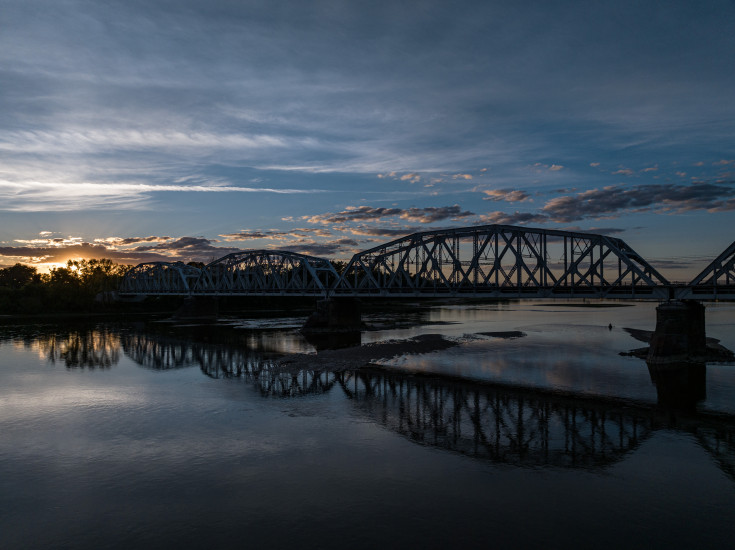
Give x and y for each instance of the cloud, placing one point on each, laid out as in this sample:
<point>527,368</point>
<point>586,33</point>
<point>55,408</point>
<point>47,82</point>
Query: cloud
<point>389,232</point>
<point>125,241</point>
<point>507,195</point>
<point>623,172</point>
<point>541,167</point>
<point>275,234</point>
<point>84,140</point>
<point>60,254</point>
<point>33,196</point>
<point>432,214</point>
<point>615,200</point>
<point>428,214</point>
<point>324,249</point>
<point>516,218</point>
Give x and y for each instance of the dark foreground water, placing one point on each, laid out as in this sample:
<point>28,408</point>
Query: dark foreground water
<point>148,435</point>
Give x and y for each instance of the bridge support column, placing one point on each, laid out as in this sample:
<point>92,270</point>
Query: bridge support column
<point>197,308</point>
<point>680,332</point>
<point>335,315</point>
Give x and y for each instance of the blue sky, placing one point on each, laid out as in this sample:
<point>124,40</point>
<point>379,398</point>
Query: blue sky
<point>167,130</point>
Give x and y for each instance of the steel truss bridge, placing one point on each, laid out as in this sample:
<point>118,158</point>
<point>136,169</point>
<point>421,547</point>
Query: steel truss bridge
<point>480,261</point>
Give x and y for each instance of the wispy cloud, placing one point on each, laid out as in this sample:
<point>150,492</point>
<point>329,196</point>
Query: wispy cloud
<point>41,196</point>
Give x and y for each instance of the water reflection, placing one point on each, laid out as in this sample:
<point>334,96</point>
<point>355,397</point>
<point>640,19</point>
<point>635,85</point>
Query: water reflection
<point>505,425</point>
<point>510,425</point>
<point>494,422</point>
<point>159,353</point>
<point>75,348</point>
<point>265,376</point>
<point>679,385</point>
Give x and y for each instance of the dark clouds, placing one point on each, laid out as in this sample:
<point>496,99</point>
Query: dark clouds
<point>428,214</point>
<point>507,195</point>
<point>614,201</point>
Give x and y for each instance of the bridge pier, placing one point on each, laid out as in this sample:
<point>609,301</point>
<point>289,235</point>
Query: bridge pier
<point>335,315</point>
<point>680,333</point>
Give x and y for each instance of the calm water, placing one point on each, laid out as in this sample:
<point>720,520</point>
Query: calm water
<point>145,434</point>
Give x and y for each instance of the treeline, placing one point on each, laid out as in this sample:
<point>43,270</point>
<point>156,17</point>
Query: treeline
<point>83,285</point>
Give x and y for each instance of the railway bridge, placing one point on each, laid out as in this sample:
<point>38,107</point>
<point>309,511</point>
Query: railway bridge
<point>489,261</point>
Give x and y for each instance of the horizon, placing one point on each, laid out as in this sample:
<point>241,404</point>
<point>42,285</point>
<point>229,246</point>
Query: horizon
<point>176,131</point>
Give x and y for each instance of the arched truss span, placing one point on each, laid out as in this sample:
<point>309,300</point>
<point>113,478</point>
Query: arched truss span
<point>717,279</point>
<point>501,260</point>
<point>268,273</point>
<point>161,278</point>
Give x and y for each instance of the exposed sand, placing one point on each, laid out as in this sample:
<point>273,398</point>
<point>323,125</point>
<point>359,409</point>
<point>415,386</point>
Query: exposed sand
<point>360,356</point>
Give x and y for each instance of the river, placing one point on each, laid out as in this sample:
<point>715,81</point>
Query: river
<point>532,432</point>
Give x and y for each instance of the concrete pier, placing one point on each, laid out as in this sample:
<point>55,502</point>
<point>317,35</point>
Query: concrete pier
<point>680,333</point>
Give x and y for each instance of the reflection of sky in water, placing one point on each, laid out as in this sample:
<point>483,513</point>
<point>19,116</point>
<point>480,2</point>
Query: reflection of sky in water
<point>565,347</point>
<point>128,456</point>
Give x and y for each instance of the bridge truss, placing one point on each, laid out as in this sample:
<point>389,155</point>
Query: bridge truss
<point>161,278</point>
<point>715,280</point>
<point>500,260</point>
<point>268,273</point>
<point>481,261</point>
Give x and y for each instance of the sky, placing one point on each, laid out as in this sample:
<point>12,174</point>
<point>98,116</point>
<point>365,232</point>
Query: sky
<point>165,130</point>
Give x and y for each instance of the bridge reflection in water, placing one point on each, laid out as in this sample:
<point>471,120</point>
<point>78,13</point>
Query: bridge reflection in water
<point>510,425</point>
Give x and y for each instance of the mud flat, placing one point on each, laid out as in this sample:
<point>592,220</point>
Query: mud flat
<point>359,356</point>
<point>714,351</point>
<point>506,335</point>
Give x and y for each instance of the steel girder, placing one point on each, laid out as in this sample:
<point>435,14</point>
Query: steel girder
<point>501,260</point>
<point>160,278</point>
<point>268,273</point>
<point>716,280</point>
